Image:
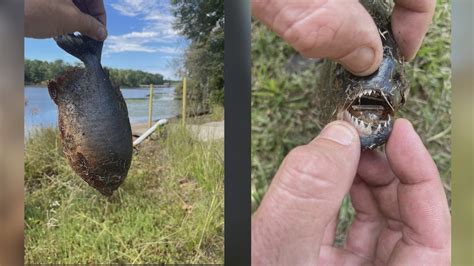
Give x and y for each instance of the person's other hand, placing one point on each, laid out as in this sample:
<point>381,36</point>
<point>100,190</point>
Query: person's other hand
<point>343,30</point>
<point>402,216</point>
<point>50,18</point>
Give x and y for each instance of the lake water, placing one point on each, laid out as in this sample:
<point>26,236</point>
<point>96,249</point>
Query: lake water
<point>40,110</point>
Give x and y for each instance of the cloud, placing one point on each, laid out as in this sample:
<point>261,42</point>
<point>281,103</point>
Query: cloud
<point>133,8</point>
<point>157,34</point>
<point>145,41</point>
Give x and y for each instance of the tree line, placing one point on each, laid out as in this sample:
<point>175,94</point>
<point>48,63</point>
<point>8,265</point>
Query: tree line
<point>202,22</point>
<point>39,72</point>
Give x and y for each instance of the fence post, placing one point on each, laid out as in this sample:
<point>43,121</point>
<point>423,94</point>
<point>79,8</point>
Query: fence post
<point>150,107</point>
<point>183,115</point>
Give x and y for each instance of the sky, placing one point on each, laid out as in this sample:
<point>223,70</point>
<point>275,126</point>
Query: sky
<point>140,37</point>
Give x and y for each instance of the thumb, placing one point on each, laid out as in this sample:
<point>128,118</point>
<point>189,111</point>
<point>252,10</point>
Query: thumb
<point>340,30</point>
<point>304,197</point>
<point>90,26</point>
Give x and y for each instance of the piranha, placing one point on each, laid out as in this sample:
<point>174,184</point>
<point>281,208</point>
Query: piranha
<point>93,118</point>
<point>369,103</point>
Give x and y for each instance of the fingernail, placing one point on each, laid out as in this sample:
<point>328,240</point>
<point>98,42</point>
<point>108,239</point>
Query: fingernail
<point>101,33</point>
<point>360,60</point>
<point>338,133</point>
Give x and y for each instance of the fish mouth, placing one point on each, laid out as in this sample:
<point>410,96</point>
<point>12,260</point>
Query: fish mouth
<point>371,113</point>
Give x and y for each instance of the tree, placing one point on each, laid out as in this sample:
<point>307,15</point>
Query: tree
<point>39,72</point>
<point>202,22</point>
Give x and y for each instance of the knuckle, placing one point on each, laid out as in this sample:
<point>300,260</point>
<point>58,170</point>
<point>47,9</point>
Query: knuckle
<point>308,164</point>
<point>319,42</point>
<point>307,174</point>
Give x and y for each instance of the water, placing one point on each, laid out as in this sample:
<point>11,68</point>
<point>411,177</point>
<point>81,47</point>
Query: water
<point>40,110</point>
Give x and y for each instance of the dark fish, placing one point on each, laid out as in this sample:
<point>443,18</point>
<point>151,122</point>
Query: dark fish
<point>93,118</point>
<point>369,103</point>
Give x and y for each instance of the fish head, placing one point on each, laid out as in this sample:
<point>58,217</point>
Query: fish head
<point>371,102</point>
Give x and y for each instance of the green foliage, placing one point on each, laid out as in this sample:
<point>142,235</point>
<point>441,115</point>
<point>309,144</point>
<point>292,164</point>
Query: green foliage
<point>195,19</point>
<point>202,22</point>
<point>170,208</point>
<point>39,72</point>
<point>285,113</point>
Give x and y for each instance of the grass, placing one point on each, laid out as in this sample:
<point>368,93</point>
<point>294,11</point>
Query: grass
<point>169,210</point>
<point>285,112</point>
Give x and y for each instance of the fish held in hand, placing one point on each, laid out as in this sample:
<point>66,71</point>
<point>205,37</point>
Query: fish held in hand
<point>93,118</point>
<point>369,103</point>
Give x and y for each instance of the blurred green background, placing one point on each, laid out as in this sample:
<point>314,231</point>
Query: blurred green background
<point>285,112</point>
<point>463,132</point>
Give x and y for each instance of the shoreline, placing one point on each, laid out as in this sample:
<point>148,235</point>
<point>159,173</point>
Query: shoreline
<point>145,87</point>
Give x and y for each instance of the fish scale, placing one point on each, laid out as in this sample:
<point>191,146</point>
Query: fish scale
<point>92,117</point>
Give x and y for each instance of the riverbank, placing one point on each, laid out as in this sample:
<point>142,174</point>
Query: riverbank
<point>139,87</point>
<point>216,115</point>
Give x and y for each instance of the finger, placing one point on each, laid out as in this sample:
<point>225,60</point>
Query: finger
<point>96,9</point>
<point>340,30</point>
<point>368,223</point>
<point>375,171</point>
<point>90,26</point>
<point>304,197</point>
<point>331,256</point>
<point>423,205</point>
<point>410,22</point>
<point>388,239</point>
<point>330,231</point>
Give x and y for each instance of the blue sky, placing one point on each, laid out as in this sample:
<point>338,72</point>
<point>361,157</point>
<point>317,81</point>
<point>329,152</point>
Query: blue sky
<point>140,37</point>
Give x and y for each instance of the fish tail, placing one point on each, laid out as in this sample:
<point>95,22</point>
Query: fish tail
<point>86,49</point>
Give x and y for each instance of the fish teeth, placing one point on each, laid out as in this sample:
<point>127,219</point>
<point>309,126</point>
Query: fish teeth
<point>366,93</point>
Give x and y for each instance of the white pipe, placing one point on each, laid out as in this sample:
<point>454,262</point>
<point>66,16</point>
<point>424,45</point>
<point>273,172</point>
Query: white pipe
<point>149,131</point>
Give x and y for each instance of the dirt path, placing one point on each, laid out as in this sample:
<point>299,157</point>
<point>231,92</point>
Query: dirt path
<point>208,131</point>
<point>203,132</point>
<point>139,128</point>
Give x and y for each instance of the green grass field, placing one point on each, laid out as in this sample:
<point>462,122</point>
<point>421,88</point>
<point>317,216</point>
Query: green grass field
<point>169,210</point>
<point>285,112</point>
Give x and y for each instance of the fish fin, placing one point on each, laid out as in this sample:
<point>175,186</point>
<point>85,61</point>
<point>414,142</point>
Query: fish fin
<point>81,46</point>
<point>53,89</point>
<point>63,83</point>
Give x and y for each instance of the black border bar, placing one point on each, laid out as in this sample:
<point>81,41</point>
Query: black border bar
<point>237,132</point>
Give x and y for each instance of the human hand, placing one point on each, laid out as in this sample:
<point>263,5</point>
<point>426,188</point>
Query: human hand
<point>343,30</point>
<point>402,216</point>
<point>51,18</point>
